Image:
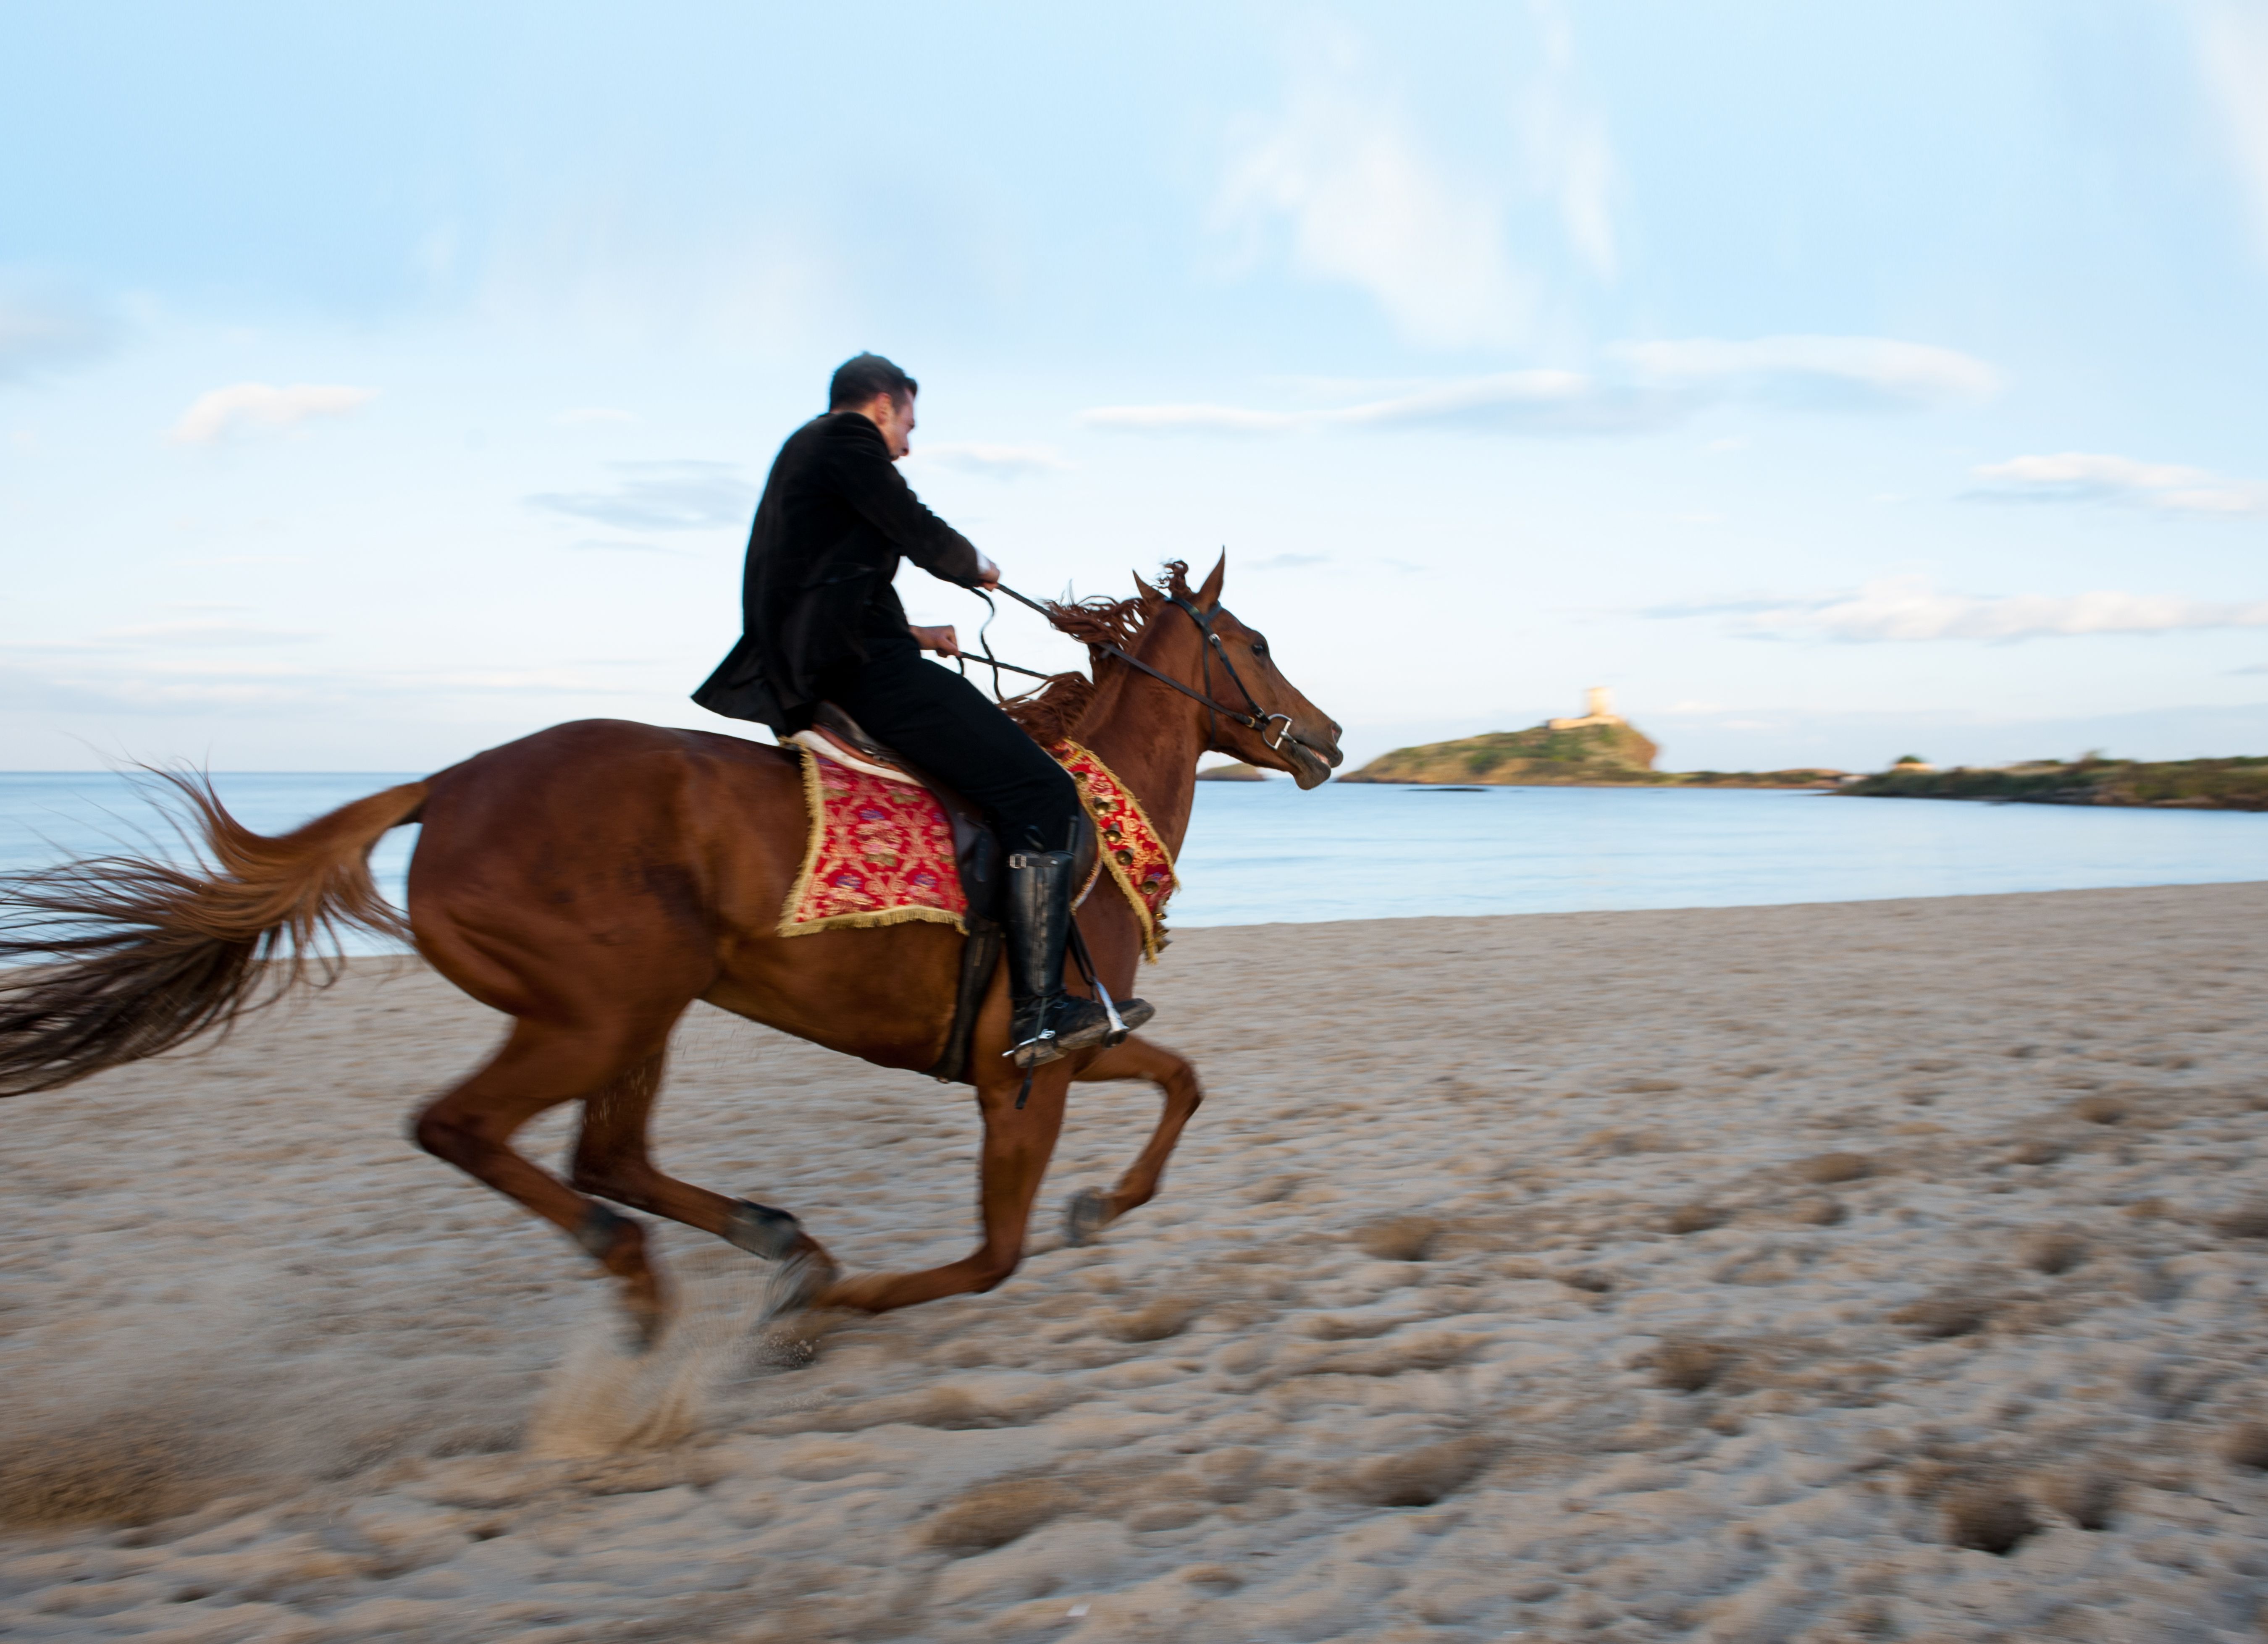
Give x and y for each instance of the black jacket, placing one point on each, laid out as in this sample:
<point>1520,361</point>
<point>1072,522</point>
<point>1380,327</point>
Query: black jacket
<point>835,518</point>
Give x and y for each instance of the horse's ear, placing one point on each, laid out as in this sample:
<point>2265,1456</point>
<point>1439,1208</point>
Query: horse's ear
<point>1209,596</point>
<point>1143,592</point>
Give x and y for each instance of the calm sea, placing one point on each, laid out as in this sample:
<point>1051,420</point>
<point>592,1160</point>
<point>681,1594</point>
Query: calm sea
<point>1262,851</point>
<point>1259,852</point>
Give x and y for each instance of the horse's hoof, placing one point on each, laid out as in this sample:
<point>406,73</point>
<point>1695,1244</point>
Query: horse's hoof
<point>796,1282</point>
<point>1083,1216</point>
<point>761,1231</point>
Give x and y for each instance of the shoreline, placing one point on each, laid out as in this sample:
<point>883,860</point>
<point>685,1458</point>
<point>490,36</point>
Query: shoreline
<point>358,959</point>
<point>1963,898</point>
<point>2090,801</point>
<point>1669,781</point>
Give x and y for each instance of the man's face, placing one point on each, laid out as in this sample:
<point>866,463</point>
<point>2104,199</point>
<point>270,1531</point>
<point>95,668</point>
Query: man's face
<point>895,419</point>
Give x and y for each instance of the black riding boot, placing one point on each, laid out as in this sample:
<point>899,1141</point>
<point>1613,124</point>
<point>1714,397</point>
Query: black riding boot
<point>1048,1023</point>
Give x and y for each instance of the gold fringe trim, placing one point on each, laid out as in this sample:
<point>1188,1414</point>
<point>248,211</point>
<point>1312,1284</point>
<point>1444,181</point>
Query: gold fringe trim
<point>1143,917</point>
<point>887,916</point>
<point>814,803</point>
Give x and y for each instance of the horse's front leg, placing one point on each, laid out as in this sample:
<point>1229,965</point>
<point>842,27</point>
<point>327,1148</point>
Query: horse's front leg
<point>1088,1211</point>
<point>1018,1142</point>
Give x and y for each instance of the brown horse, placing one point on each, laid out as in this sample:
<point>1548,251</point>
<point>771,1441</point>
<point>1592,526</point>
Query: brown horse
<point>593,880</point>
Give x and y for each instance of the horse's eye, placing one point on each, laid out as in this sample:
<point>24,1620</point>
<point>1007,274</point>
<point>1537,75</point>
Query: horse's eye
<point>1260,648</point>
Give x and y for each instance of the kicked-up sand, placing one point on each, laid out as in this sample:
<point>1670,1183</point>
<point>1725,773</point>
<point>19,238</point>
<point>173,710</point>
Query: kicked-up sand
<point>1879,1271</point>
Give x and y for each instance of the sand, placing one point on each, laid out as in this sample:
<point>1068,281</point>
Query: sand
<point>1884,1270</point>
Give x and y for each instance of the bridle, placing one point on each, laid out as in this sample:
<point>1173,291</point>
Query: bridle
<point>1255,718</point>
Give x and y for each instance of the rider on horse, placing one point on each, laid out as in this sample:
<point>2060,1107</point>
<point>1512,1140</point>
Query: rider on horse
<point>822,624</point>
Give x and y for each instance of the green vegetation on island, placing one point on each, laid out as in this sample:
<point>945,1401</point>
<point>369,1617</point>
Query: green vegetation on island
<point>2233,784</point>
<point>1592,753</point>
<point>1598,749</point>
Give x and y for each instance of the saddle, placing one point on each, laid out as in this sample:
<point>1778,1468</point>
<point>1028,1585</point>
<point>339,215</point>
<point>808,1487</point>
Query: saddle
<point>834,734</point>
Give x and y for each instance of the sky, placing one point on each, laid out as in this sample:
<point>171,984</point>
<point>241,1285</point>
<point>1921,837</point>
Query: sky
<point>380,383</point>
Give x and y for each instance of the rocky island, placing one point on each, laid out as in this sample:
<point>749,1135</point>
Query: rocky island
<point>1596,748</point>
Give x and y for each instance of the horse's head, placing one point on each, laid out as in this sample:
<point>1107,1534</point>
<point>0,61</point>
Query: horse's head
<point>1293,734</point>
<point>1230,689</point>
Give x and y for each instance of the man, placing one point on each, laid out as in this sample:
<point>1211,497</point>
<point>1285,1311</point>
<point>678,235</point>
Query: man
<point>822,623</point>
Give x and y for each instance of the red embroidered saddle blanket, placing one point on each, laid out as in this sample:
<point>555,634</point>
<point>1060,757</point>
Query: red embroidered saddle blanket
<point>880,851</point>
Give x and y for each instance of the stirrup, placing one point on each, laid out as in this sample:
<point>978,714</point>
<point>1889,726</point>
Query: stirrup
<point>1046,1046</point>
<point>1125,1015</point>
<point>1064,1023</point>
<point>1134,1015</point>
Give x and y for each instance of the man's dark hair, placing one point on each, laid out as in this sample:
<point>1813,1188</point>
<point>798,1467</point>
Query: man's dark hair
<point>859,378</point>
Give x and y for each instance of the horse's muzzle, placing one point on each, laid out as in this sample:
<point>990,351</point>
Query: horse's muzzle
<point>1311,767</point>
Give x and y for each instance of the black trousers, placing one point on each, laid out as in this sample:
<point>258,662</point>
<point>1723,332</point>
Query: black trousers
<point>941,722</point>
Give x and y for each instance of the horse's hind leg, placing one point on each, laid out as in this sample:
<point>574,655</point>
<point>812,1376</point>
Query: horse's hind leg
<point>1088,1211</point>
<point>1019,1140</point>
<point>611,1161</point>
<point>471,1127</point>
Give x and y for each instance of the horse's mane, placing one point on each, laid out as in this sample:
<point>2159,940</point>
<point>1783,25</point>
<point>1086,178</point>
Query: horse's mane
<point>1052,711</point>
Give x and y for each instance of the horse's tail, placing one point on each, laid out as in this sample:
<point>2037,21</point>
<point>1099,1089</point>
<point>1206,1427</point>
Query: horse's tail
<point>127,957</point>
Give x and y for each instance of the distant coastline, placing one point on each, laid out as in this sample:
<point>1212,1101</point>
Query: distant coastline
<point>2231,784</point>
<point>1747,782</point>
<point>1599,748</point>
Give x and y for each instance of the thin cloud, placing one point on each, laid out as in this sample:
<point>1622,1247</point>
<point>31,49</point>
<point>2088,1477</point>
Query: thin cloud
<point>204,634</point>
<point>592,545</point>
<point>1344,172</point>
<point>1570,158</point>
<point>226,411</point>
<point>1522,402</point>
<point>1908,609</point>
<point>1830,373</point>
<point>43,327</point>
<point>111,689</point>
<point>662,496</point>
<point>575,681</point>
<point>179,688</point>
<point>1745,605</point>
<point>1534,401</point>
<point>2231,49</point>
<point>1648,385</point>
<point>2074,476</point>
<point>1001,462</point>
<point>1197,419</point>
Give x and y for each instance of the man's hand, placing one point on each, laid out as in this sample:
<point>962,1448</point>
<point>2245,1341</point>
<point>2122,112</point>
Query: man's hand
<point>988,574</point>
<point>941,640</point>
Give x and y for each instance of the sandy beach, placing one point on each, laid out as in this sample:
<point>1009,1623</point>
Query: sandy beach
<point>1868,1271</point>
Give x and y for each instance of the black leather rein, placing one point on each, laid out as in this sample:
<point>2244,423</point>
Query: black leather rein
<point>1256,719</point>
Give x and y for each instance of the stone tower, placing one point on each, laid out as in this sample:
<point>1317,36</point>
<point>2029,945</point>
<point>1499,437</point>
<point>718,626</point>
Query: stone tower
<point>1598,710</point>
